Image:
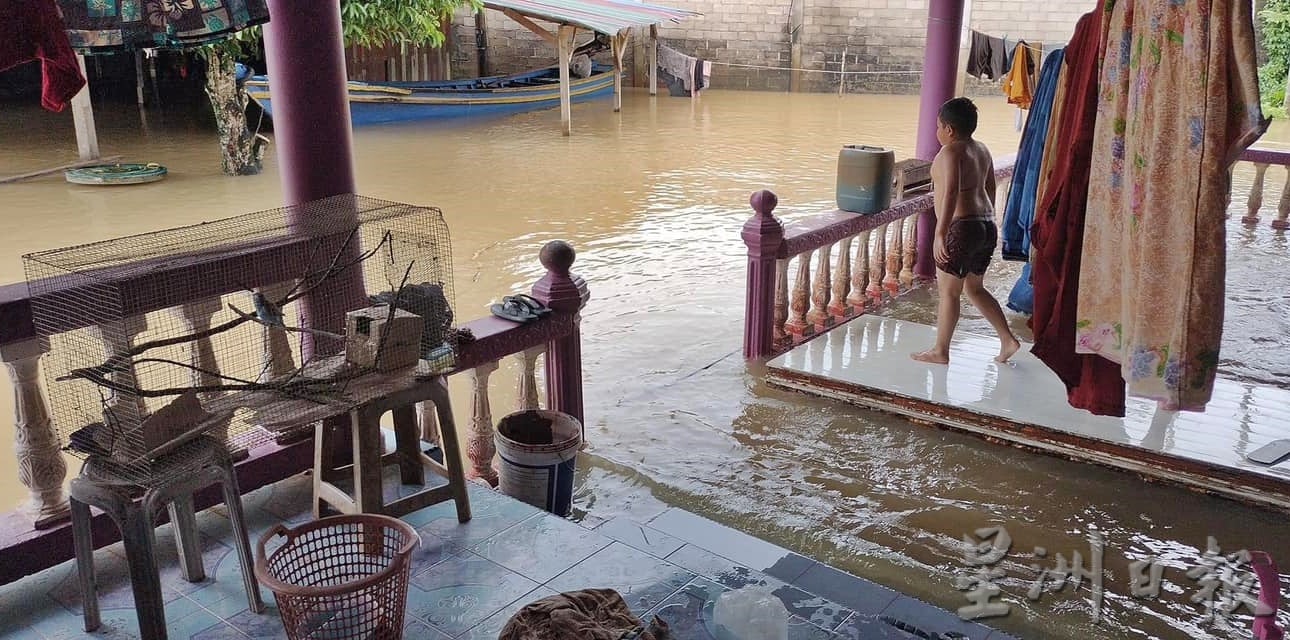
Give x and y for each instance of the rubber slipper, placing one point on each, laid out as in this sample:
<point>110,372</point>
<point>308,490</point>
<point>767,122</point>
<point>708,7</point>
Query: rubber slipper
<point>535,306</point>
<point>513,310</point>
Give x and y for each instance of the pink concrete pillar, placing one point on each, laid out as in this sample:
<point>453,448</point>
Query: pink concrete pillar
<point>940,71</point>
<point>564,293</point>
<point>763,234</point>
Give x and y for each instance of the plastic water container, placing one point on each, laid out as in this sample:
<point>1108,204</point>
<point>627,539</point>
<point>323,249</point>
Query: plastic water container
<point>751,613</point>
<point>865,178</point>
<point>536,465</point>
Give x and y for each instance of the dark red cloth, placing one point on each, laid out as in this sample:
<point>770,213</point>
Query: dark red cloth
<point>1092,382</point>
<point>33,30</point>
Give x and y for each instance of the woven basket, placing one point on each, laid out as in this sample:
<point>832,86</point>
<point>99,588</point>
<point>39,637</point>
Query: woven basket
<point>341,577</point>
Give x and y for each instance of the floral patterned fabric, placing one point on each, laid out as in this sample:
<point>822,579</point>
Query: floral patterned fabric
<point>97,25</point>
<point>1178,102</point>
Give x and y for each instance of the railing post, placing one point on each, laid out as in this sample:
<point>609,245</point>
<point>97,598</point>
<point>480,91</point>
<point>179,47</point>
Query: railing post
<point>527,393</point>
<point>564,293</point>
<point>842,280</point>
<point>821,294</point>
<point>196,317</point>
<point>763,235</point>
<point>480,446</point>
<point>276,358</point>
<point>40,464</point>
<point>1255,201</point>
<point>1283,207</point>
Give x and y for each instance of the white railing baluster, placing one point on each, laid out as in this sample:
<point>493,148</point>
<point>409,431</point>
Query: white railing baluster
<point>40,463</point>
<point>842,280</point>
<point>480,446</point>
<point>527,393</point>
<point>821,290</point>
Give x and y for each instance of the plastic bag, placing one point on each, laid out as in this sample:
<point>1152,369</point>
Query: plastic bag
<point>750,614</point>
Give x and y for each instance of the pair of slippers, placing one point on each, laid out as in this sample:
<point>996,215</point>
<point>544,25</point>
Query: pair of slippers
<point>520,308</point>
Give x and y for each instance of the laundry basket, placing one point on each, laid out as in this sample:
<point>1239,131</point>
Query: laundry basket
<point>341,577</point>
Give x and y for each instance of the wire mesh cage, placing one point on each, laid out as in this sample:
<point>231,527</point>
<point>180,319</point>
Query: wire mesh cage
<point>238,328</point>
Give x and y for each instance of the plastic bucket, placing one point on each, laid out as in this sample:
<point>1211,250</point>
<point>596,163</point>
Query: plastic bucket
<point>536,469</point>
<point>865,176</point>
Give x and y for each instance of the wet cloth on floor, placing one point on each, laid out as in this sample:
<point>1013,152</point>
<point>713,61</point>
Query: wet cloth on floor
<point>1179,102</point>
<point>32,30</point>
<point>1092,383</point>
<point>590,614</point>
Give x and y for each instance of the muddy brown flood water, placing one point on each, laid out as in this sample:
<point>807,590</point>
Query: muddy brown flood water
<point>653,199</point>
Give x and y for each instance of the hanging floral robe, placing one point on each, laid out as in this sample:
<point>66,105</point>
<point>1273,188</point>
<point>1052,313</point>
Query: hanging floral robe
<point>108,25</point>
<point>1178,102</point>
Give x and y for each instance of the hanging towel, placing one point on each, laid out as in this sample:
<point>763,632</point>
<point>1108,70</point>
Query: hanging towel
<point>679,66</point>
<point>1092,382</point>
<point>1179,101</point>
<point>32,30</point>
<point>1019,84</point>
<point>1019,211</point>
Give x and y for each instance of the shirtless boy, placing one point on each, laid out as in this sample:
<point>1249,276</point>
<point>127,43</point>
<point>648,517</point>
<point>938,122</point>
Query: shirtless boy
<point>963,183</point>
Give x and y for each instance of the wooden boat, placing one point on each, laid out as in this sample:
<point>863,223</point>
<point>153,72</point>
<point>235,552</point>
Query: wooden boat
<point>379,102</point>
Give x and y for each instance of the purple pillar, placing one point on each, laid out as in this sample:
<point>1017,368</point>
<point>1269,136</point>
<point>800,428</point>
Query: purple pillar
<point>306,58</point>
<point>763,234</point>
<point>940,71</point>
<point>305,51</point>
<point>563,292</point>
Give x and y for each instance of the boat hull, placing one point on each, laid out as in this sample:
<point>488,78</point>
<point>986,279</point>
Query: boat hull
<point>390,102</point>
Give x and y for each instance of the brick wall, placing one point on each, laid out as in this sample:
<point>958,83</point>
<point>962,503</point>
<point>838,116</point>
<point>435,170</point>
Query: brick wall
<point>882,38</point>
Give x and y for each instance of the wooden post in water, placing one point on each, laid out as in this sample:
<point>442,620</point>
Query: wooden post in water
<point>564,293</point>
<point>87,139</point>
<point>564,47</point>
<point>653,59</point>
<point>619,49</point>
<point>763,234</point>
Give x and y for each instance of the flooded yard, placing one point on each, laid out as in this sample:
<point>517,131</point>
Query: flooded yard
<point>653,199</point>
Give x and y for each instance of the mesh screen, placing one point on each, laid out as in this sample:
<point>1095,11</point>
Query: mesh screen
<point>156,338</point>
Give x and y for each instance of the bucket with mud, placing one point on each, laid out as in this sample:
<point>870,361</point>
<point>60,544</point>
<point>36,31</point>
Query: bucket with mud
<point>538,451</point>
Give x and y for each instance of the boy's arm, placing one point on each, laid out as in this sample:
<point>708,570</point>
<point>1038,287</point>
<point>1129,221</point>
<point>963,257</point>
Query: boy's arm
<point>947,188</point>
<point>991,189</point>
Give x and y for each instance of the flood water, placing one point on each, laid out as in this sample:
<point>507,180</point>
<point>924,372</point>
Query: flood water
<point>653,199</point>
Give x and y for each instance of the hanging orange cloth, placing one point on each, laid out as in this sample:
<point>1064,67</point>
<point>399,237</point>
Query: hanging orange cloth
<point>1019,85</point>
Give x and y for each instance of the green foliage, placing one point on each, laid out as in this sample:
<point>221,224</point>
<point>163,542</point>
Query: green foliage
<point>377,22</point>
<point>1275,22</point>
<point>372,23</point>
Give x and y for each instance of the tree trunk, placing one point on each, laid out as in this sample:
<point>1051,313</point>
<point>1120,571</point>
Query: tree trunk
<point>243,150</point>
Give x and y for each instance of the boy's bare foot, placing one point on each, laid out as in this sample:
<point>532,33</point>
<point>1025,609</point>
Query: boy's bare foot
<point>1007,349</point>
<point>931,356</point>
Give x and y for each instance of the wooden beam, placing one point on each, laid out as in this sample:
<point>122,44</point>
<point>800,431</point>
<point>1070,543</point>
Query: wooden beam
<point>45,172</point>
<point>619,48</point>
<point>524,21</point>
<point>653,59</point>
<point>87,140</point>
<point>565,50</point>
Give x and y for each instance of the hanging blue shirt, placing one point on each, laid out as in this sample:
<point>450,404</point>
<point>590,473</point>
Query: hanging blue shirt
<point>1020,209</point>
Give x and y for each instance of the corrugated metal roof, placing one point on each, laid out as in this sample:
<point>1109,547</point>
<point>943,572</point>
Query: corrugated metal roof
<point>603,16</point>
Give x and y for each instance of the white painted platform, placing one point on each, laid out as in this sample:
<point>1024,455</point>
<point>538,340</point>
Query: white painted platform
<point>867,362</point>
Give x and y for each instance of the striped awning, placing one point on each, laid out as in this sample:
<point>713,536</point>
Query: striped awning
<point>603,16</point>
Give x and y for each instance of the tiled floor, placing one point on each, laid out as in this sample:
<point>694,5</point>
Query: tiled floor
<point>469,579</point>
<point>872,353</point>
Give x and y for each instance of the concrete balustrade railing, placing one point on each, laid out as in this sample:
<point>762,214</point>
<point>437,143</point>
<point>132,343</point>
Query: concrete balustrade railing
<point>38,536</point>
<point>860,262</point>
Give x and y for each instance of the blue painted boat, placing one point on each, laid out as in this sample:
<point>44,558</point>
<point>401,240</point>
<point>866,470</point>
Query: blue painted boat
<point>382,102</point>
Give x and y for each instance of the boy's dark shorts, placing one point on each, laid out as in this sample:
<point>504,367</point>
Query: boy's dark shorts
<point>970,245</point>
